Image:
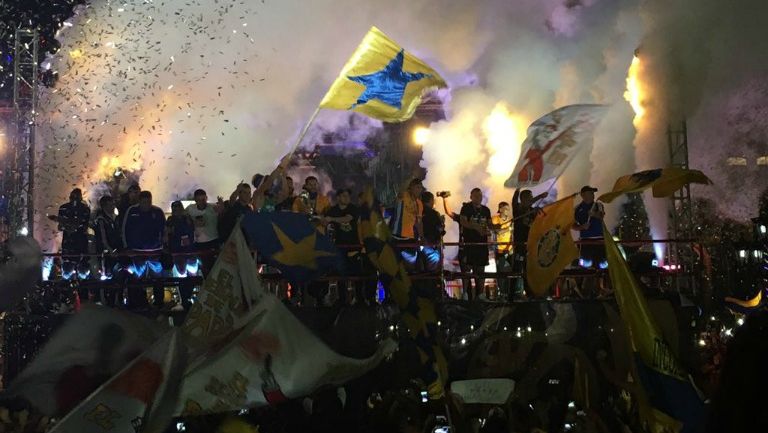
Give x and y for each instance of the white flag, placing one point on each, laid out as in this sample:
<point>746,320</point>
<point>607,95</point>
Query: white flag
<point>553,141</point>
<point>131,401</point>
<point>227,293</point>
<point>249,349</point>
<point>88,349</point>
<point>273,357</point>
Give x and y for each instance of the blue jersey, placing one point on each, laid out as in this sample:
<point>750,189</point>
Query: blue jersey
<point>581,215</point>
<point>143,231</point>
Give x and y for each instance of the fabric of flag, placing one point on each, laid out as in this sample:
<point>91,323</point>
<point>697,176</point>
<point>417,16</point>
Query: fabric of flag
<point>663,181</point>
<point>550,245</point>
<point>265,355</point>
<point>88,349</point>
<point>381,80</point>
<point>756,303</point>
<point>417,309</point>
<point>669,393</point>
<point>228,291</point>
<point>553,141</point>
<point>290,242</point>
<point>271,357</point>
<point>133,400</point>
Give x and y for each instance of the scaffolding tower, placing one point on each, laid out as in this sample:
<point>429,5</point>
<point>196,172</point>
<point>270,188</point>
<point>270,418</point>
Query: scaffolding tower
<point>681,213</point>
<point>19,172</point>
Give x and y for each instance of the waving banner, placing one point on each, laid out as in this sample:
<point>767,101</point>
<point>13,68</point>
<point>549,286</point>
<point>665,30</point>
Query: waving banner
<point>553,141</point>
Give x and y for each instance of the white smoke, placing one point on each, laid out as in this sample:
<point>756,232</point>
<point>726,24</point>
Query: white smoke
<point>204,93</point>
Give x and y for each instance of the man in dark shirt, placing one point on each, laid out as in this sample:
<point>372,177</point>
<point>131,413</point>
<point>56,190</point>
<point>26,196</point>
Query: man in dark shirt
<point>127,199</point>
<point>434,228</point>
<point>73,218</point>
<point>180,233</point>
<point>239,204</point>
<point>108,243</point>
<point>286,205</point>
<point>523,214</point>
<point>475,220</point>
<point>144,232</point>
<point>342,221</point>
<point>589,216</point>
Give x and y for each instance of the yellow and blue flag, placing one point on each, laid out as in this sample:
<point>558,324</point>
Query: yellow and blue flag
<point>416,307</point>
<point>550,245</point>
<point>670,403</point>
<point>381,80</point>
<point>663,181</point>
<point>292,244</point>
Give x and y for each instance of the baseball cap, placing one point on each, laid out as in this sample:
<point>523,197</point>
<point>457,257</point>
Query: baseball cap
<point>586,188</point>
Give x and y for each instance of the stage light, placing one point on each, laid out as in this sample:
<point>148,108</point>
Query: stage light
<point>763,229</point>
<point>24,231</point>
<point>420,135</point>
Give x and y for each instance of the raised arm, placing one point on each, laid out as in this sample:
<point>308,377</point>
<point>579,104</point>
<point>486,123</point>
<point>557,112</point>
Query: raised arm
<point>541,196</point>
<point>448,211</point>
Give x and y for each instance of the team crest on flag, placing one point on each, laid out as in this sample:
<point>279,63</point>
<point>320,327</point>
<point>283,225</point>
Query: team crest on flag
<point>550,245</point>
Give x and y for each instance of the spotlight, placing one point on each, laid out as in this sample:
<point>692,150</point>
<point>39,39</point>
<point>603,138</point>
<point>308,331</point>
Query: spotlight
<point>420,135</point>
<point>24,231</point>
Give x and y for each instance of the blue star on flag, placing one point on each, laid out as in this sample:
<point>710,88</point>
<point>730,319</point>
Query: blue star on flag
<point>387,85</point>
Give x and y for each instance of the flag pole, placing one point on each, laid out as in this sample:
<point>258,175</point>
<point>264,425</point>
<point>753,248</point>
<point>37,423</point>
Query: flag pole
<point>303,132</point>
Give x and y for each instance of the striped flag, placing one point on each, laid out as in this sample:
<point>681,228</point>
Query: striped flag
<point>416,309</point>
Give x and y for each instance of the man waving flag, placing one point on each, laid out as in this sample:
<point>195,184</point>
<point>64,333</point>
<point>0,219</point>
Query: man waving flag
<point>381,80</point>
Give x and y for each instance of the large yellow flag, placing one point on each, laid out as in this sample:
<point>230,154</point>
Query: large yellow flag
<point>669,402</point>
<point>663,181</point>
<point>550,245</point>
<point>381,80</point>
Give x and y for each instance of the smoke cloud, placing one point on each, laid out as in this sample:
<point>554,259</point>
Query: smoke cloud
<point>206,93</point>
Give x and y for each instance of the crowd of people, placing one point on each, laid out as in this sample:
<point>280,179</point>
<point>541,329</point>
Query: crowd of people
<point>133,238</point>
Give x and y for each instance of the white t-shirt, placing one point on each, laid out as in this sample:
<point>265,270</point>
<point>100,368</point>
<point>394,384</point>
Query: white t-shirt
<point>206,223</point>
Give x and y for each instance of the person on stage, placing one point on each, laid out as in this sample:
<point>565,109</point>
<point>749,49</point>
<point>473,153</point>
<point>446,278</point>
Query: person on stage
<point>502,227</point>
<point>108,243</point>
<point>523,214</point>
<point>406,223</point>
<point>589,216</point>
<point>311,201</point>
<point>475,220</point>
<point>73,218</point>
